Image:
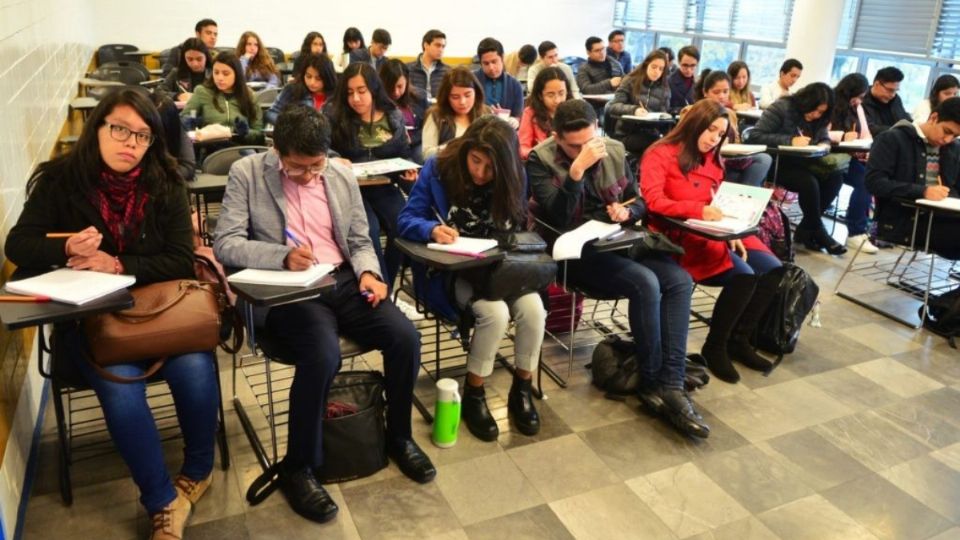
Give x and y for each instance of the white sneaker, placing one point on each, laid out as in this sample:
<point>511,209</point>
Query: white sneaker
<point>410,311</point>
<point>853,242</point>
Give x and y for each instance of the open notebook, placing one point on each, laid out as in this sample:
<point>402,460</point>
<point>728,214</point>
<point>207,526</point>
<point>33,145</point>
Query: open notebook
<point>282,278</point>
<point>570,244</point>
<point>72,286</point>
<point>742,208</point>
<point>466,246</point>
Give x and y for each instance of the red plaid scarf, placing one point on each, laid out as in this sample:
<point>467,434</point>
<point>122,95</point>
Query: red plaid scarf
<point>121,203</point>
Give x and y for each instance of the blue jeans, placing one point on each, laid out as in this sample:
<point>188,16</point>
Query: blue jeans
<point>758,262</point>
<point>859,208</point>
<point>659,292</point>
<point>753,174</point>
<point>383,205</point>
<point>193,382</point>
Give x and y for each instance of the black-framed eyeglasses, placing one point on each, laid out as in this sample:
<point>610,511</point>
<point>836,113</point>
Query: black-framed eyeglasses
<point>121,134</point>
<point>691,66</point>
<point>309,172</point>
<point>891,90</point>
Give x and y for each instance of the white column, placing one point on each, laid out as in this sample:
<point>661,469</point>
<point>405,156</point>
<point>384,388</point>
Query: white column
<point>812,38</point>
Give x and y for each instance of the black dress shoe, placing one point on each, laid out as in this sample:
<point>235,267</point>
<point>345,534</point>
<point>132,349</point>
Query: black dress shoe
<point>411,460</point>
<point>805,237</point>
<point>650,400</point>
<point>520,407</point>
<point>827,242</point>
<point>476,415</point>
<point>306,496</point>
<point>678,408</point>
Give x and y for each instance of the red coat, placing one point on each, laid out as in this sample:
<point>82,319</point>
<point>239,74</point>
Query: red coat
<point>669,193</point>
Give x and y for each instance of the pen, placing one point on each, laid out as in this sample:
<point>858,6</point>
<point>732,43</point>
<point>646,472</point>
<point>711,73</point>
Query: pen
<point>289,234</point>
<point>60,234</point>
<point>437,213</point>
<point>800,132</point>
<point>25,299</point>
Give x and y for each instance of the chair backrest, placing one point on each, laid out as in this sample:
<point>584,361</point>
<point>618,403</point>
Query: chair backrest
<point>220,161</point>
<point>224,49</point>
<point>574,62</point>
<point>267,95</point>
<point>125,72</point>
<point>277,55</point>
<point>113,52</point>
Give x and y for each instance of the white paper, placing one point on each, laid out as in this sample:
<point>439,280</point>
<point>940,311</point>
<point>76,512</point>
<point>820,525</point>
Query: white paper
<point>734,149</point>
<point>950,203</point>
<point>598,97</point>
<point>282,278</point>
<point>750,113</point>
<point>649,117</point>
<point>858,144</point>
<point>72,286</point>
<point>466,245</point>
<point>811,149</point>
<point>742,208</point>
<point>382,166</point>
<point>570,243</point>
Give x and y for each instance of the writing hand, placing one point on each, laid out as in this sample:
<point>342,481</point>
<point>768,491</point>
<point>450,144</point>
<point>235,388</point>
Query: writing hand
<point>85,243</point>
<point>299,259</point>
<point>712,213</point>
<point>443,234</point>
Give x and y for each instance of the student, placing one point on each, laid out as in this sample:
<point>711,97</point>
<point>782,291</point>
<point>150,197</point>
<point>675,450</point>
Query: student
<point>313,43</point>
<point>599,74</point>
<point>750,170</point>
<point>123,194</point>
<point>256,61</point>
<point>517,63</point>
<point>366,127</point>
<point>478,186</point>
<point>671,65</point>
<point>376,54</point>
<point>428,70</point>
<point>576,176</point>
<point>460,101</point>
<point>741,97</point>
<point>501,91</point>
<point>801,120</point>
<point>192,69</point>
<point>849,123</point>
<point>944,88</point>
<point>314,82</point>
<point>225,99</point>
<point>681,173</point>
<point>206,31</point>
<point>550,57</point>
<point>295,187</point>
<point>682,80</point>
<point>882,104</point>
<point>411,101</point>
<point>352,40</point>
<point>912,161</point>
<point>644,90</point>
<point>789,73</point>
<point>617,50</point>
<point>178,144</point>
<point>550,89</point>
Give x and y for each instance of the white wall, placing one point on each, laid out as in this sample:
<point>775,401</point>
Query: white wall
<point>567,23</point>
<point>45,46</point>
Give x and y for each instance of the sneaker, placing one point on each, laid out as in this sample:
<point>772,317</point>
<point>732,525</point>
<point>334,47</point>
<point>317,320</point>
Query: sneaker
<point>169,522</point>
<point>409,311</point>
<point>853,242</point>
<point>192,489</point>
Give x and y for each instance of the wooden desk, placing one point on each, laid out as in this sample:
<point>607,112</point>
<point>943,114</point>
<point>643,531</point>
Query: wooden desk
<point>84,105</point>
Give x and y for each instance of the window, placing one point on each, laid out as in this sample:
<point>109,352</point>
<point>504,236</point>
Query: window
<point>916,76</point>
<point>674,42</point>
<point>764,63</point>
<point>909,23</point>
<point>842,65</point>
<point>763,20</point>
<point>946,43</point>
<point>639,45</point>
<point>718,54</point>
<point>845,38</point>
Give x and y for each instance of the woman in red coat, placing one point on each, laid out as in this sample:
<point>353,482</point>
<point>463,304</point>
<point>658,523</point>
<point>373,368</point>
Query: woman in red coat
<point>678,177</point>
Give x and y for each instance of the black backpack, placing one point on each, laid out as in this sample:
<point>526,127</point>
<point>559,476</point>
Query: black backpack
<point>614,368</point>
<point>943,315</point>
<point>779,329</point>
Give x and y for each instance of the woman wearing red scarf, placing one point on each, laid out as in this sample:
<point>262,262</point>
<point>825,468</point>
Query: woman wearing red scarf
<point>120,188</point>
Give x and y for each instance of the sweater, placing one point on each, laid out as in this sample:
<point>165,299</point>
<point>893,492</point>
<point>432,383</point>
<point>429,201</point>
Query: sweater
<point>530,133</point>
<point>511,92</point>
<point>203,101</point>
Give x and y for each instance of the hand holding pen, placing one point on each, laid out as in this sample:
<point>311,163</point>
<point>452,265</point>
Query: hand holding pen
<point>443,233</point>
<point>300,257</point>
<point>800,139</point>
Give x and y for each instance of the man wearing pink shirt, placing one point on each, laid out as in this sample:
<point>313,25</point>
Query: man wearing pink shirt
<point>288,209</point>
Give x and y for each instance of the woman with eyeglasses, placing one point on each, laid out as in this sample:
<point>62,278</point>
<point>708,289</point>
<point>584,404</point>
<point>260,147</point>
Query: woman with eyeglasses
<point>120,191</point>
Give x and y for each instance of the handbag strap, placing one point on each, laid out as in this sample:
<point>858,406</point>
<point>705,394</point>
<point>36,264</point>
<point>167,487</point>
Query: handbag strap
<point>150,372</point>
<point>184,286</point>
<point>228,311</point>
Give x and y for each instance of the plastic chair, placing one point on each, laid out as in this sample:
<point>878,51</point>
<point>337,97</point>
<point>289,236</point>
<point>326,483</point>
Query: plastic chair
<point>220,161</point>
<point>277,55</point>
<point>114,52</point>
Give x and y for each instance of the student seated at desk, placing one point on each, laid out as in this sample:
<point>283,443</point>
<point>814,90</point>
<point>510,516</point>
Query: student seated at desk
<point>501,91</point>
<point>477,186</point>
<point>550,89</point>
<point>460,101</point>
<point>225,99</point>
<point>683,79</point>
<point>352,40</point>
<point>741,96</point>
<point>599,74</point>
<point>944,88</point>
<point>256,61</point>
<point>671,65</point>
<point>517,63</point>
<point>313,43</point>
<point>802,120</point>
<point>849,123</point>
<point>912,161</point>
<point>314,81</point>
<point>883,106</point>
<point>790,71</point>
<point>617,50</point>
<point>295,187</point>
<point>178,144</point>
<point>644,90</point>
<point>550,57</point>
<point>119,188</point>
<point>577,176</point>
<point>206,31</point>
<point>192,70</point>
<point>367,126</point>
<point>680,175</point>
<point>411,101</point>
<point>376,53</point>
<point>428,70</point>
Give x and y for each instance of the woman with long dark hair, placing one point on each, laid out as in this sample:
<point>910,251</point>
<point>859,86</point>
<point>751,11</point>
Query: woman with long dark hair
<point>478,186</point>
<point>459,104</point>
<point>120,189</point>
<point>352,40</point>
<point>849,123</point>
<point>314,81</point>
<point>741,96</point>
<point>191,71</point>
<point>644,90</point>
<point>945,87</point>
<point>550,89</point>
<point>225,99</point>
<point>411,101</point>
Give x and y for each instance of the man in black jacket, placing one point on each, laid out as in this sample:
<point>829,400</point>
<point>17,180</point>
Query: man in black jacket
<point>681,81</point>
<point>882,105</point>
<point>918,160</point>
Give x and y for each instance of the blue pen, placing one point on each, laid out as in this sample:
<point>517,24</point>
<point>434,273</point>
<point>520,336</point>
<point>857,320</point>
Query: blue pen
<point>293,238</point>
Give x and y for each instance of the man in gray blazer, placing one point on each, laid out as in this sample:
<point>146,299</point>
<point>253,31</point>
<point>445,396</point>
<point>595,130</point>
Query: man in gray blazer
<point>287,209</point>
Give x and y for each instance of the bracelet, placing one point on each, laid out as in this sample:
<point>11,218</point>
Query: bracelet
<point>116,265</point>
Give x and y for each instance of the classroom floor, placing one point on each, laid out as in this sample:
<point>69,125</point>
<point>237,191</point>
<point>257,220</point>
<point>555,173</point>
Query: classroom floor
<point>856,435</point>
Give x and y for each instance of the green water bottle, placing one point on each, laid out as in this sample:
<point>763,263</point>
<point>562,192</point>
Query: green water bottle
<point>447,414</point>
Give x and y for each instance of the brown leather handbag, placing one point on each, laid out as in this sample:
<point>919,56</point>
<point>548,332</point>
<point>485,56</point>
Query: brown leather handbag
<point>168,318</point>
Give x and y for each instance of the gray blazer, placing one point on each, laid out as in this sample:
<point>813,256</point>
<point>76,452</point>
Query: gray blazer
<point>253,216</point>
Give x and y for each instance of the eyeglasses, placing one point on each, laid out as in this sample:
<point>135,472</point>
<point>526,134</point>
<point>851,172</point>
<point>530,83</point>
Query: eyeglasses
<point>309,172</point>
<point>691,66</point>
<point>889,89</point>
<point>121,134</point>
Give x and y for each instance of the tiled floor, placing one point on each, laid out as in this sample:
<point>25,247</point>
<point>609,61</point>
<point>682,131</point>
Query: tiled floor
<point>856,435</point>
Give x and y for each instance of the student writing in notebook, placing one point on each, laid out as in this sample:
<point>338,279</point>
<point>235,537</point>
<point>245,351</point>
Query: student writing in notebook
<point>681,173</point>
<point>191,71</point>
<point>550,57</point>
<point>944,88</point>
<point>460,101</point>
<point>206,31</point>
<point>352,41</point>
<point>741,96</point>
<point>600,74</point>
<point>297,187</point>
<point>550,89</point>
<point>643,91</point>
<point>478,187</point>
<point>682,80</point>
<point>314,81</point>
<point>121,190</point>
<point>883,106</point>
<point>501,91</point>
<point>410,100</point>
<point>376,53</point>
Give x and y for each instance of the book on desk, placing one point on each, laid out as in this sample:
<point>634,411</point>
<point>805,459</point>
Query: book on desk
<point>70,286</point>
<point>570,244</point>
<point>742,207</point>
<point>737,149</point>
<point>282,278</point>
<point>810,149</point>
<point>464,245</point>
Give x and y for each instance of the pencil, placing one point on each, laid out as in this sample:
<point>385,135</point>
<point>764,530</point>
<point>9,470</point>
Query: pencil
<point>628,202</point>
<point>25,299</point>
<point>939,181</point>
<point>60,234</point>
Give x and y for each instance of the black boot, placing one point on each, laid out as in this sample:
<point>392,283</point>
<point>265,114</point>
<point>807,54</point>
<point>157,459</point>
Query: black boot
<point>477,416</point>
<point>827,242</point>
<point>678,408</point>
<point>650,400</point>
<point>520,407</point>
<point>806,237</point>
<point>733,299</point>
<point>738,347</point>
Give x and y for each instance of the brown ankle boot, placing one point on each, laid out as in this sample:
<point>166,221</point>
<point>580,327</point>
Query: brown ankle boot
<point>171,520</point>
<point>192,489</point>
